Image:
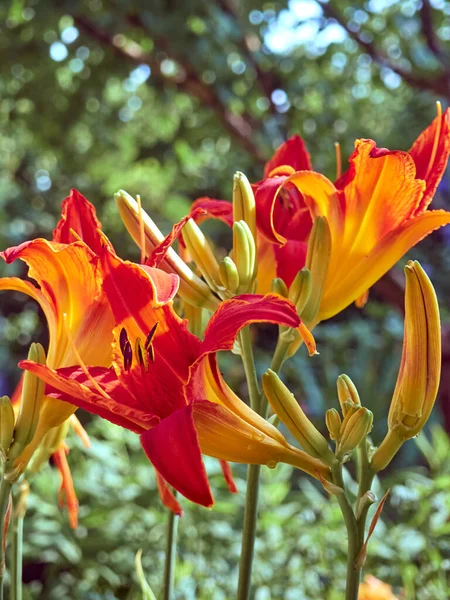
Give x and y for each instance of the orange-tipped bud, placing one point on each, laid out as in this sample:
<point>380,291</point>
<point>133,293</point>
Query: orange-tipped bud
<point>420,370</point>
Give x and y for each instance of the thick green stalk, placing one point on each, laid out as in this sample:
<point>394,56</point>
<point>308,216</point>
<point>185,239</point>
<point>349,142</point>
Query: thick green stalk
<point>5,491</point>
<point>354,546</point>
<point>259,403</point>
<point>16,557</point>
<point>171,552</point>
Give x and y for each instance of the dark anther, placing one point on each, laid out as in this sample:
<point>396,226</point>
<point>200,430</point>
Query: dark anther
<point>151,353</point>
<point>123,339</point>
<point>127,356</point>
<point>151,335</point>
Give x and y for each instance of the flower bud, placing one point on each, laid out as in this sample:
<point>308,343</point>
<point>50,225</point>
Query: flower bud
<point>244,255</point>
<point>201,253</point>
<point>279,287</point>
<point>420,369</point>
<point>354,430</point>
<point>197,319</point>
<point>192,288</point>
<point>287,408</point>
<point>6,425</point>
<point>228,273</point>
<point>347,391</point>
<point>30,405</point>
<point>317,260</point>
<point>244,208</point>
<point>300,290</point>
<point>333,423</point>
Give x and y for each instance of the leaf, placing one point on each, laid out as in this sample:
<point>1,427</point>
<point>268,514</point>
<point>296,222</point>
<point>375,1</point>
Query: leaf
<point>147,593</point>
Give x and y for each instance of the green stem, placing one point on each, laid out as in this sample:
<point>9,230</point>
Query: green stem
<point>16,557</point>
<point>5,491</point>
<point>249,368</point>
<point>354,544</point>
<point>171,551</point>
<point>259,403</point>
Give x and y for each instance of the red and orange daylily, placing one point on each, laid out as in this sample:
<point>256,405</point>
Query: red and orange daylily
<point>376,211</point>
<point>68,288</point>
<point>166,386</point>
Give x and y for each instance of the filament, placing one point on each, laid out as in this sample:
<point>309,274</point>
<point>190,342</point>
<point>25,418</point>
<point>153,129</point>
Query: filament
<point>436,138</point>
<point>81,363</point>
<point>337,147</point>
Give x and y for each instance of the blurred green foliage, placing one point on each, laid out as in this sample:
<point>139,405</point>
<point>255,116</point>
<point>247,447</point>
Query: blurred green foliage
<point>168,99</point>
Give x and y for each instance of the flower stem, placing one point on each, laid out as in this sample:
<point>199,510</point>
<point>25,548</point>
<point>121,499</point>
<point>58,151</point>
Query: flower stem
<point>353,533</point>
<point>259,404</point>
<point>171,551</point>
<point>5,491</point>
<point>19,509</point>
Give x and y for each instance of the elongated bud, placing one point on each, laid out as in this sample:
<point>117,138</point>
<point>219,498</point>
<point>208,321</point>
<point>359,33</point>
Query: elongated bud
<point>229,276</point>
<point>347,392</point>
<point>418,379</point>
<point>317,260</point>
<point>201,253</point>
<point>244,208</point>
<point>6,425</point>
<point>279,287</point>
<point>300,290</point>
<point>333,423</point>
<point>291,414</point>
<point>30,405</point>
<point>354,430</point>
<point>244,255</point>
<point>192,288</point>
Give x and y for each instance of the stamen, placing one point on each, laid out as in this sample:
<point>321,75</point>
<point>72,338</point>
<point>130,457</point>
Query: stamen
<point>151,353</point>
<point>80,361</point>
<point>141,354</point>
<point>337,147</point>
<point>151,335</point>
<point>75,235</point>
<point>436,138</point>
<point>123,339</point>
<point>127,356</point>
<point>141,228</point>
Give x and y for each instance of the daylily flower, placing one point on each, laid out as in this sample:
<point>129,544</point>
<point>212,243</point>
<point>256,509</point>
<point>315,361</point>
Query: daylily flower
<point>374,589</point>
<point>166,386</point>
<point>376,211</point>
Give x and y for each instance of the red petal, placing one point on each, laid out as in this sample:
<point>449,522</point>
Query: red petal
<point>166,495</point>
<point>67,494</point>
<point>215,209</point>
<point>233,315</point>
<point>159,252</point>
<point>71,385</point>
<point>421,152</point>
<point>293,153</point>
<point>172,447</point>
<point>290,258</point>
<point>79,215</point>
<point>228,475</point>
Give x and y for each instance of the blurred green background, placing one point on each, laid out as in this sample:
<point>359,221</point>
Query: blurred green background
<point>168,99</point>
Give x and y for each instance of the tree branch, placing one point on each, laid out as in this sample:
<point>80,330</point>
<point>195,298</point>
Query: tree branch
<point>437,85</point>
<point>187,81</point>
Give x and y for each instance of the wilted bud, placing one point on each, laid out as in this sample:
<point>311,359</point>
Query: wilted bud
<point>30,405</point>
<point>244,255</point>
<point>317,260</point>
<point>279,287</point>
<point>192,288</point>
<point>300,290</point>
<point>229,276</point>
<point>333,423</point>
<point>244,208</point>
<point>354,430</point>
<point>347,391</point>
<point>287,408</point>
<point>201,253</point>
<point>364,503</point>
<point>418,379</point>
<point>6,425</point>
